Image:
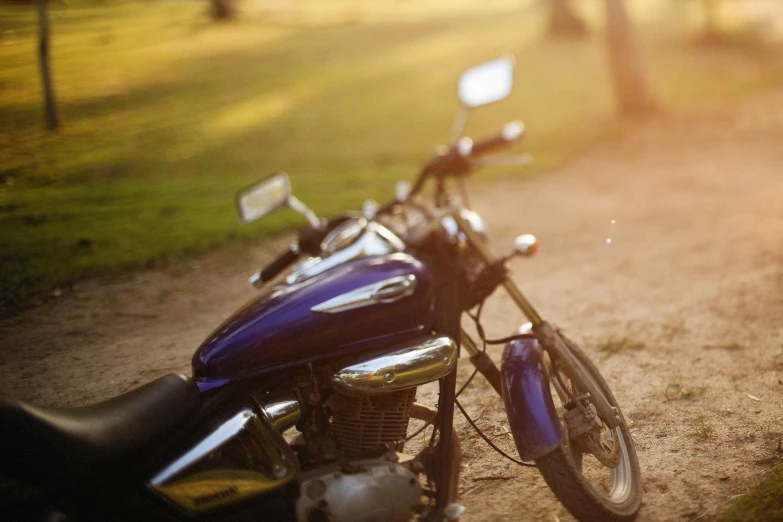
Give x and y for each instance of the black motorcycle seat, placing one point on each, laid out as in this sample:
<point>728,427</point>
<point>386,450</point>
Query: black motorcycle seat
<point>47,443</point>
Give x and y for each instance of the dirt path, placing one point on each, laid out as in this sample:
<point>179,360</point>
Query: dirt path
<point>683,311</point>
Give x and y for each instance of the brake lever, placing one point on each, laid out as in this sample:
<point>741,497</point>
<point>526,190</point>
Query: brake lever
<point>503,160</point>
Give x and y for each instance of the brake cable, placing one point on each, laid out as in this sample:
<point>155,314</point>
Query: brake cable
<point>504,340</point>
<point>467,383</point>
<point>574,400</point>
<point>486,439</point>
<point>459,392</point>
<point>480,329</point>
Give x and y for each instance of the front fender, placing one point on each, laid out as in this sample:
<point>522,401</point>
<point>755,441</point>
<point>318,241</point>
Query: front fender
<point>525,386</point>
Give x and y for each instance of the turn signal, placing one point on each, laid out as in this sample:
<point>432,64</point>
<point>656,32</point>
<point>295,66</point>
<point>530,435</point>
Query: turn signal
<point>525,245</point>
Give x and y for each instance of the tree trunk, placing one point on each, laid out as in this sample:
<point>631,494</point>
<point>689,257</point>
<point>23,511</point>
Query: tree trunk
<point>564,22</point>
<point>50,105</point>
<point>710,8</point>
<point>631,86</point>
<point>222,10</point>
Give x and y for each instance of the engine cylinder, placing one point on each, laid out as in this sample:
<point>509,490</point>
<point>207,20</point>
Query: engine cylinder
<point>367,426</point>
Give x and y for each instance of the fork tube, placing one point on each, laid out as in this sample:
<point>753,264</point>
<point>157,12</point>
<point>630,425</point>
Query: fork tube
<point>486,255</point>
<point>483,363</point>
<point>522,302</point>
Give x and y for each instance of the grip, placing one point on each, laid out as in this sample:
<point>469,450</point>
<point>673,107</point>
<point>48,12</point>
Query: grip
<point>278,265</point>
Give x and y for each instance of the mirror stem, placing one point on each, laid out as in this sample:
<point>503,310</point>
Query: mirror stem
<point>303,209</point>
<point>459,123</point>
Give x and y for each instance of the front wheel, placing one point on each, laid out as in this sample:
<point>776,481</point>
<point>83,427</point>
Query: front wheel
<point>590,488</point>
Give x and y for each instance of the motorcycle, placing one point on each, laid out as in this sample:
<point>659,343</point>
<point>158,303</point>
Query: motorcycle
<point>302,403</point>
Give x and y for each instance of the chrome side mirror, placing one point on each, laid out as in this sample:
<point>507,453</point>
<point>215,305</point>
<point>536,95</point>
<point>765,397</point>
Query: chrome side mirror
<point>268,196</point>
<point>487,83</point>
<point>263,198</point>
<point>525,245</point>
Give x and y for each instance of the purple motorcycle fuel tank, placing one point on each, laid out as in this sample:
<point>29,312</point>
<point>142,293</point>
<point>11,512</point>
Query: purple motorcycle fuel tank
<point>362,305</point>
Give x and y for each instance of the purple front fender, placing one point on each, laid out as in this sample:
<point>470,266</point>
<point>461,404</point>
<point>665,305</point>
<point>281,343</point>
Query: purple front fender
<point>531,413</point>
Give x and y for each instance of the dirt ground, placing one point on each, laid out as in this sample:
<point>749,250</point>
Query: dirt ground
<point>661,254</point>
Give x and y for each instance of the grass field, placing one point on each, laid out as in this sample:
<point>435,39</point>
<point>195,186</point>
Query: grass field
<point>764,503</point>
<point>165,115</point>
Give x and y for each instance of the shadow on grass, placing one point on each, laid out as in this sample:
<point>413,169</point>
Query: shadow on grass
<point>147,167</point>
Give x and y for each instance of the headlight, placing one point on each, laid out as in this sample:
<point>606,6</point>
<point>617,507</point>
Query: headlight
<point>473,219</point>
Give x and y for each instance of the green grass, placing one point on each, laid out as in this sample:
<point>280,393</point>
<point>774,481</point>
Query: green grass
<point>675,392</point>
<point>614,345</point>
<point>764,503</point>
<point>704,429</point>
<point>166,115</point>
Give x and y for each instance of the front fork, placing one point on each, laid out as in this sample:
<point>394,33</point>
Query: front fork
<point>545,334</point>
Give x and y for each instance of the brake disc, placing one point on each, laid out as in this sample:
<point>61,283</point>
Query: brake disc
<point>591,434</point>
<point>603,444</point>
<point>586,429</point>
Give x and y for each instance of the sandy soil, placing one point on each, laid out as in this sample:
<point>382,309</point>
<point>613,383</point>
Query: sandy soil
<point>683,310</point>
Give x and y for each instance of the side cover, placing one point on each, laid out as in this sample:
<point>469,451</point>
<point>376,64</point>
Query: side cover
<point>361,305</point>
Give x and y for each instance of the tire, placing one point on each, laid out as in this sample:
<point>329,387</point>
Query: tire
<point>564,469</point>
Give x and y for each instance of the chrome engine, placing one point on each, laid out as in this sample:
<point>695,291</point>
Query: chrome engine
<point>379,490</point>
<point>370,407</point>
<point>372,399</point>
<point>371,425</point>
<point>367,483</point>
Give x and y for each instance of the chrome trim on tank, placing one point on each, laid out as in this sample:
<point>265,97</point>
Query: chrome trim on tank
<point>376,240</point>
<point>414,363</point>
<point>386,291</point>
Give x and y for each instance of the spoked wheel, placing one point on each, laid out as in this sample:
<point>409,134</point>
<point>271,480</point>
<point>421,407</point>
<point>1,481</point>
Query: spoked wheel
<point>597,475</point>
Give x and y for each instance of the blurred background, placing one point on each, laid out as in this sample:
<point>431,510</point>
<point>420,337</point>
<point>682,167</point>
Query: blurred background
<point>159,111</point>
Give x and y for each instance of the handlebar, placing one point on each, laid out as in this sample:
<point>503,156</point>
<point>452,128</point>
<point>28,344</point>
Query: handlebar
<point>449,161</point>
<point>459,159</point>
<point>510,133</point>
<point>308,242</point>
